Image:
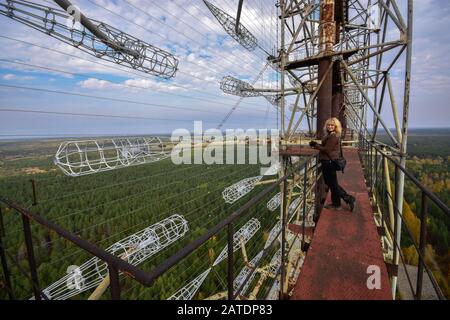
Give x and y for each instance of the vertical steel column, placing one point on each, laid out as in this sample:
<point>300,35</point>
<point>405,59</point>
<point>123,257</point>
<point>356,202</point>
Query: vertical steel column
<point>396,236</point>
<point>380,104</point>
<point>114,282</point>
<point>305,176</point>
<point>230,277</point>
<point>376,175</point>
<point>33,187</point>
<point>30,256</point>
<point>2,224</point>
<point>366,169</point>
<point>394,107</point>
<point>282,67</point>
<point>283,236</point>
<point>318,189</point>
<point>422,243</point>
<point>371,169</point>
<point>383,192</point>
<point>401,177</point>
<point>324,96</point>
<point>6,274</point>
<point>338,107</point>
<point>282,137</point>
<point>390,197</point>
<point>327,34</point>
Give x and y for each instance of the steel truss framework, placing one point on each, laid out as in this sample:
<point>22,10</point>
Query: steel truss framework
<point>361,54</point>
<point>246,232</point>
<point>347,51</point>
<point>339,56</point>
<point>361,42</point>
<point>293,243</point>
<point>243,276</point>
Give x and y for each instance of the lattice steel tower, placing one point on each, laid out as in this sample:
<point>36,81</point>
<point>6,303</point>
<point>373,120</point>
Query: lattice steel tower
<point>341,55</point>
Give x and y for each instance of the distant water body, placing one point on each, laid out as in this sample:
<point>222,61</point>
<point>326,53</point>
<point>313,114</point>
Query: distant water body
<point>75,137</point>
<point>381,131</point>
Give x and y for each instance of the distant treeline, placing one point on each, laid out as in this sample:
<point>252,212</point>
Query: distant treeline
<point>424,142</point>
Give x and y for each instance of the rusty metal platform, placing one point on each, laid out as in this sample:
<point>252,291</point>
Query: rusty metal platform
<point>344,245</point>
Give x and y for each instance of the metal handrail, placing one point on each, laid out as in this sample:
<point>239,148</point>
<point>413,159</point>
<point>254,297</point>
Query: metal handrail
<point>116,264</point>
<point>426,194</point>
<point>423,188</point>
<point>128,268</point>
<point>182,253</point>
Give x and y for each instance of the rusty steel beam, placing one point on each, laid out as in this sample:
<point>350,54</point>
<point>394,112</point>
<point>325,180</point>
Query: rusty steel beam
<point>324,96</point>
<point>338,106</point>
<point>327,26</point>
<point>327,38</point>
<point>339,16</point>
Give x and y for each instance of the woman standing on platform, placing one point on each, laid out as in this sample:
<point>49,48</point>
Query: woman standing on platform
<point>329,152</point>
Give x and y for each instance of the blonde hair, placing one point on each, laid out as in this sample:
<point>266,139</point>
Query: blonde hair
<point>336,122</point>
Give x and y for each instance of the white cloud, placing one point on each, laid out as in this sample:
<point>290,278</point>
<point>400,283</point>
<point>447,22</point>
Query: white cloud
<point>10,76</point>
<point>96,84</point>
<point>131,85</point>
<point>189,29</point>
<point>152,84</point>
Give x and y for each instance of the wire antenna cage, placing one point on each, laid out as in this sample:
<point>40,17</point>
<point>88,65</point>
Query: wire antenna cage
<point>134,249</point>
<point>118,47</point>
<point>78,158</point>
<point>243,35</point>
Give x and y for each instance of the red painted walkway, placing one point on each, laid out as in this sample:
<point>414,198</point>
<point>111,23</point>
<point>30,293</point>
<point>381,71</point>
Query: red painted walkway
<point>344,245</point>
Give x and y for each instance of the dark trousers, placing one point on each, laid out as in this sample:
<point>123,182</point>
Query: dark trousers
<point>330,178</point>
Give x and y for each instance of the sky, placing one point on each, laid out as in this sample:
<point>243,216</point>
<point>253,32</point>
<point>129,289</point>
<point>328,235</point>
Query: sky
<point>430,86</point>
<point>71,81</point>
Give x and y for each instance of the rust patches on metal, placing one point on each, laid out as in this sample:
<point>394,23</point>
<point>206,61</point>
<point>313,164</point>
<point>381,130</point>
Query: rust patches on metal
<point>327,38</point>
<point>327,26</point>
<point>298,151</point>
<point>324,96</point>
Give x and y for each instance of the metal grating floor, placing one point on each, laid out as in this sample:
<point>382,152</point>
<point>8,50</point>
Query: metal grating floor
<point>344,245</point>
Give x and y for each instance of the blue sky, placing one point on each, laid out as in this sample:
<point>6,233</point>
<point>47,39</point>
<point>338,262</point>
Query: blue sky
<point>206,54</point>
<point>430,90</point>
